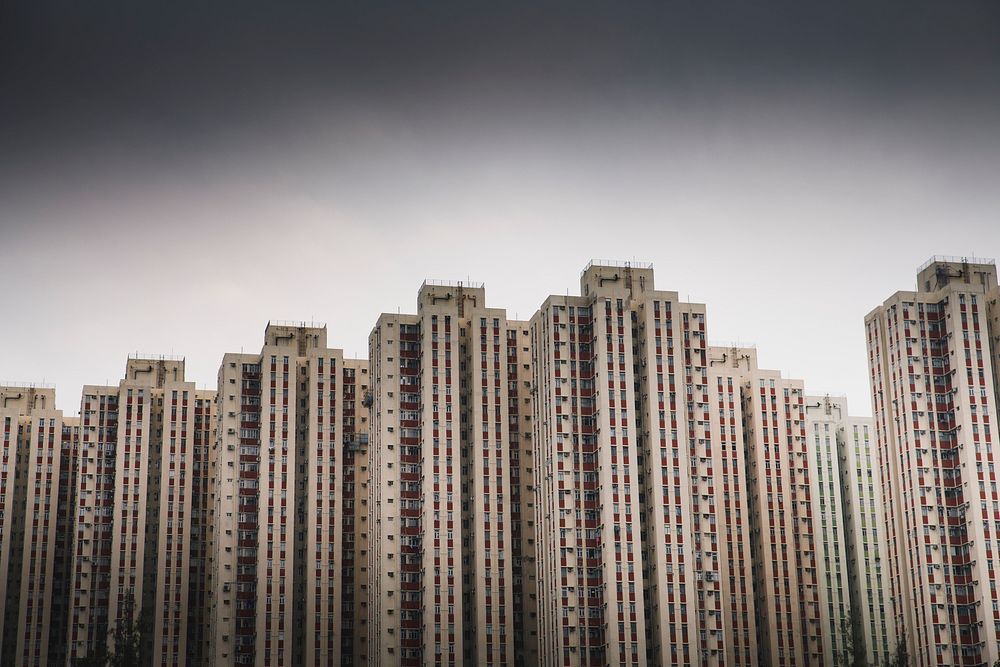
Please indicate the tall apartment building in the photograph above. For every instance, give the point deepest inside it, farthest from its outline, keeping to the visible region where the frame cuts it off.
(138, 491)
(450, 574)
(783, 544)
(522, 493)
(62, 592)
(932, 355)
(767, 497)
(728, 366)
(356, 542)
(93, 516)
(36, 460)
(642, 545)
(826, 418)
(285, 475)
(864, 528)
(202, 530)
(847, 530)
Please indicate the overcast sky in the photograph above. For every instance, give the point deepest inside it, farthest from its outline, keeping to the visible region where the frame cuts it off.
(172, 178)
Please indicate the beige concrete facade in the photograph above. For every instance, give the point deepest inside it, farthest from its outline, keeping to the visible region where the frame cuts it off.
(62, 592)
(136, 501)
(826, 417)
(931, 354)
(727, 367)
(34, 438)
(394, 492)
(446, 566)
(95, 500)
(355, 477)
(159, 418)
(202, 528)
(628, 407)
(770, 570)
(284, 491)
(523, 478)
(867, 552)
(786, 576)
(749, 515)
(590, 559)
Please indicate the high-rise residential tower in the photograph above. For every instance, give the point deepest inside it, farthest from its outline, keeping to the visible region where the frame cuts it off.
(450, 573)
(93, 516)
(931, 355)
(727, 368)
(864, 529)
(62, 592)
(137, 495)
(642, 509)
(36, 445)
(782, 531)
(202, 529)
(354, 517)
(848, 531)
(289, 431)
(826, 418)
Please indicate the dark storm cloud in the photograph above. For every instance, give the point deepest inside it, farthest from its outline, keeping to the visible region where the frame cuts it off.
(184, 76)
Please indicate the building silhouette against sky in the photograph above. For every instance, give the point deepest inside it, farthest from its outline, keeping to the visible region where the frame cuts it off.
(452, 512)
(932, 354)
(597, 485)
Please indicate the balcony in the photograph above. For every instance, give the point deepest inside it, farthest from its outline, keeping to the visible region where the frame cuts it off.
(355, 442)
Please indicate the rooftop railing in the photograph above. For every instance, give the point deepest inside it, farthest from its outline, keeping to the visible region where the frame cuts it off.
(730, 344)
(616, 264)
(957, 260)
(296, 324)
(453, 283)
(145, 356)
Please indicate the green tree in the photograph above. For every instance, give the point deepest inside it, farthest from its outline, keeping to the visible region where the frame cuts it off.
(126, 637)
(853, 654)
(900, 657)
(99, 658)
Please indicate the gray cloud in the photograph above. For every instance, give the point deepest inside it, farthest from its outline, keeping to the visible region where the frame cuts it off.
(172, 177)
